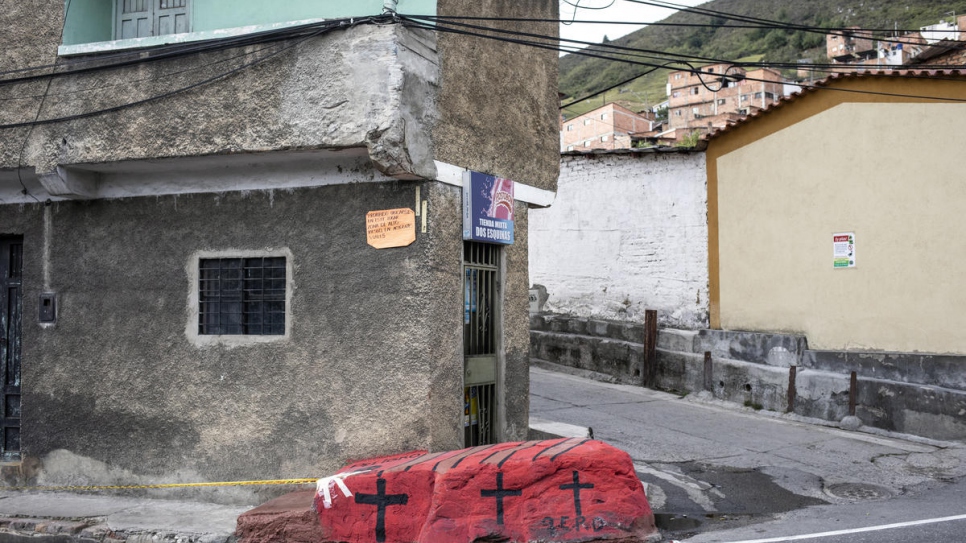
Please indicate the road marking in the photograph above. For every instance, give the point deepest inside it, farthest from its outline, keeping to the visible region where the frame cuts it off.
(855, 530)
(694, 491)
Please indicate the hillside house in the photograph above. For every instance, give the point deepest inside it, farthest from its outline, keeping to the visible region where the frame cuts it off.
(856, 49)
(231, 235)
(718, 94)
(611, 126)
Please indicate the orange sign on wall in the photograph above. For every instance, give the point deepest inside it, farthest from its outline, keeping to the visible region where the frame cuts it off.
(390, 228)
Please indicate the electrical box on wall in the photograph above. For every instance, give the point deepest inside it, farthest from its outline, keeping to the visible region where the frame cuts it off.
(48, 307)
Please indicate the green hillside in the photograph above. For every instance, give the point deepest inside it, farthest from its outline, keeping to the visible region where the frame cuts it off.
(582, 75)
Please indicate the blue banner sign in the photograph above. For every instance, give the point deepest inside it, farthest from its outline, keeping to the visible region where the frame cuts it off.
(487, 208)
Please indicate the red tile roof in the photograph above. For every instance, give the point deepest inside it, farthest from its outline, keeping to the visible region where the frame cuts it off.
(809, 88)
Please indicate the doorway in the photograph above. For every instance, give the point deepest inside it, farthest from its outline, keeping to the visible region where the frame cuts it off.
(11, 303)
(482, 340)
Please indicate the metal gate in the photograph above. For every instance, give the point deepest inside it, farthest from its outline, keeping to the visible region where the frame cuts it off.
(11, 294)
(481, 289)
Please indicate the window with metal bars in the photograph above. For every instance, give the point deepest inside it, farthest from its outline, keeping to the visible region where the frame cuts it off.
(241, 296)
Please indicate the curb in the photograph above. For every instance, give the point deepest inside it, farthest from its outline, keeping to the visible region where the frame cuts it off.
(92, 530)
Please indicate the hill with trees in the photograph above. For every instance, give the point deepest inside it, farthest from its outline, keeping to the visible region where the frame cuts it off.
(720, 39)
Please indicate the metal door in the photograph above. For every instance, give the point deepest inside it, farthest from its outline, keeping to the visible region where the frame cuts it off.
(481, 341)
(11, 294)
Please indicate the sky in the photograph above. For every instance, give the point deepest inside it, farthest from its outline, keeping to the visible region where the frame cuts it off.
(615, 10)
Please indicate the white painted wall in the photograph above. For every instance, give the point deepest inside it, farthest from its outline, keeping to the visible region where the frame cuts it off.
(627, 232)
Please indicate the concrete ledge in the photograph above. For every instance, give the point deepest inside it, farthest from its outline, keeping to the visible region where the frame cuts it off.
(621, 331)
(682, 341)
(621, 359)
(772, 349)
(541, 429)
(909, 393)
(753, 385)
(570, 370)
(947, 371)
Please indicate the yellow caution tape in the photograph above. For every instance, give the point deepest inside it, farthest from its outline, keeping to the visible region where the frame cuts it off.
(168, 485)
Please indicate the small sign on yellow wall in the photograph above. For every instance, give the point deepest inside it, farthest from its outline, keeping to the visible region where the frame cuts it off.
(390, 228)
(843, 250)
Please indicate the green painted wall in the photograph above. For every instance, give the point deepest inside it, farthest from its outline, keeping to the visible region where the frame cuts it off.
(214, 14)
(92, 20)
(88, 21)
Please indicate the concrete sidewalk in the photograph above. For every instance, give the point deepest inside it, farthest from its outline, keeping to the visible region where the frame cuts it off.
(66, 517)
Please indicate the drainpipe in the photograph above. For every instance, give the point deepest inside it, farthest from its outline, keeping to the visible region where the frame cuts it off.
(389, 6)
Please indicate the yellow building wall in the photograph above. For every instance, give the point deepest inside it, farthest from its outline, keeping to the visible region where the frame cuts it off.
(892, 173)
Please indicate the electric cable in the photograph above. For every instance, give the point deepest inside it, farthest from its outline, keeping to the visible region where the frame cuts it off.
(766, 23)
(414, 23)
(577, 7)
(180, 90)
(174, 50)
(163, 52)
(802, 85)
(131, 82)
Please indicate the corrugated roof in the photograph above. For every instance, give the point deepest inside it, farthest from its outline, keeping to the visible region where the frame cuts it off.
(818, 85)
(637, 150)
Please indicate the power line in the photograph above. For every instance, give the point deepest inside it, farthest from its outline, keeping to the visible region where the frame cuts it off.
(127, 58)
(180, 90)
(163, 52)
(778, 26)
(411, 21)
(693, 70)
(131, 82)
(766, 23)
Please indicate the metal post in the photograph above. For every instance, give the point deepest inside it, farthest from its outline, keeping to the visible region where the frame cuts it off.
(708, 380)
(853, 390)
(792, 371)
(650, 347)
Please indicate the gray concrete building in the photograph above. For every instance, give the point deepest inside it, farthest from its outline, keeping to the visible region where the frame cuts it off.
(191, 292)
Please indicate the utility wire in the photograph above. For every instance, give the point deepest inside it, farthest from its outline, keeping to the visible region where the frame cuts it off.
(412, 22)
(180, 90)
(765, 23)
(778, 25)
(695, 70)
(164, 52)
(631, 51)
(72, 66)
(131, 82)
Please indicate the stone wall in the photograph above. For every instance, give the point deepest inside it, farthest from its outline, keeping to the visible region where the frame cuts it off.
(910, 393)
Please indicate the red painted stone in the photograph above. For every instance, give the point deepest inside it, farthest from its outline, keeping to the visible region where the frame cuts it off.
(558, 490)
(289, 518)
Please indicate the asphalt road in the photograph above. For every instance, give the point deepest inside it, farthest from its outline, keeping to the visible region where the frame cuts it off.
(722, 473)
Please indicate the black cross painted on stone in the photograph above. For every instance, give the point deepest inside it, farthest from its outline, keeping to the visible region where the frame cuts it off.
(499, 493)
(381, 500)
(576, 486)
